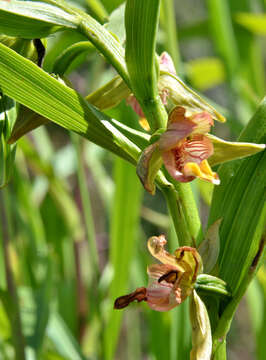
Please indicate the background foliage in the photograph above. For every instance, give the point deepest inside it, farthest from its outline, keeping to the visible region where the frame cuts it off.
(75, 218)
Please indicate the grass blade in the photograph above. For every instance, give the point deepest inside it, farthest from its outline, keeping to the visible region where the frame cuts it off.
(124, 226)
(32, 87)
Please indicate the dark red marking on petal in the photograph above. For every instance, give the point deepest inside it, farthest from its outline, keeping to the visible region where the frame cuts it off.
(170, 277)
(140, 294)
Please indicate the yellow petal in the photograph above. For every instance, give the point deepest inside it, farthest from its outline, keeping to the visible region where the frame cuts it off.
(202, 171)
(144, 124)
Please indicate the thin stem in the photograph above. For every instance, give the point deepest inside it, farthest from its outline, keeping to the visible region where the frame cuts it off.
(176, 212)
(14, 314)
(86, 204)
(190, 210)
(155, 113)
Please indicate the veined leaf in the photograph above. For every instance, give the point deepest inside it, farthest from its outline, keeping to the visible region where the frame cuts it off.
(28, 19)
(64, 60)
(31, 86)
(240, 200)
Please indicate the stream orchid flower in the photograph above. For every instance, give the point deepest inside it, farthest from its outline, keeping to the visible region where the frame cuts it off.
(185, 147)
(170, 282)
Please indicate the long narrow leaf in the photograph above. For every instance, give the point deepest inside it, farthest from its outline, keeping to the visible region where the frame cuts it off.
(126, 209)
(31, 20)
(239, 202)
(32, 87)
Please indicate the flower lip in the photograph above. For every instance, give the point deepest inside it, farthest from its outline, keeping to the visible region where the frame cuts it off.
(140, 294)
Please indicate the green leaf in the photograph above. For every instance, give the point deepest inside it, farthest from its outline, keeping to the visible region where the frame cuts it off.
(255, 23)
(110, 94)
(124, 232)
(32, 87)
(239, 201)
(27, 120)
(210, 247)
(141, 19)
(112, 4)
(62, 339)
(32, 20)
(65, 59)
(97, 9)
(116, 24)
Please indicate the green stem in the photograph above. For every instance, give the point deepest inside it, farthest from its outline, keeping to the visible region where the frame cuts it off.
(14, 314)
(220, 352)
(176, 211)
(171, 39)
(155, 113)
(86, 204)
(190, 210)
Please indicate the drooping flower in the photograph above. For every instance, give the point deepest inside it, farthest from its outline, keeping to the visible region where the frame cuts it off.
(170, 282)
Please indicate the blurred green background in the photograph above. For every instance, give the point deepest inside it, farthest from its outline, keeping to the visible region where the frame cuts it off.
(77, 219)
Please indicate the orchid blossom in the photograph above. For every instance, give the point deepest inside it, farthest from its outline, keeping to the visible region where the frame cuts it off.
(170, 282)
(185, 147)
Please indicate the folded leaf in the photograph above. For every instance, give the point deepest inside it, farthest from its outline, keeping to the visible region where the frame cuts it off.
(42, 93)
(201, 329)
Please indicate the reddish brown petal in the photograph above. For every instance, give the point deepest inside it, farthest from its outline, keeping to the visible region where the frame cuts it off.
(133, 102)
(139, 294)
(179, 127)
